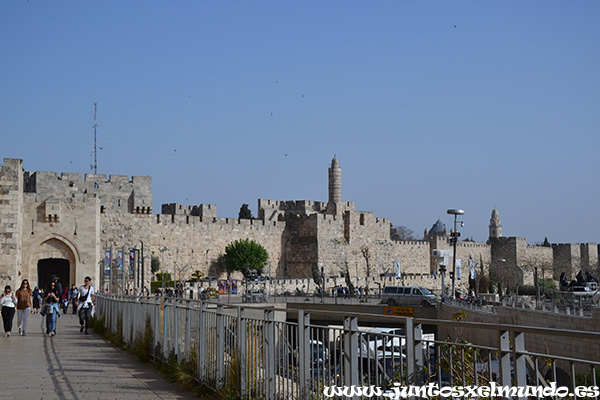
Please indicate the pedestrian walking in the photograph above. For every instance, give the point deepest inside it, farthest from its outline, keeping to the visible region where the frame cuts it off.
(65, 299)
(51, 307)
(8, 302)
(37, 299)
(87, 303)
(24, 304)
(73, 296)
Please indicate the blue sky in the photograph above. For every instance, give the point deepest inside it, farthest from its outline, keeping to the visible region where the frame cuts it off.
(427, 105)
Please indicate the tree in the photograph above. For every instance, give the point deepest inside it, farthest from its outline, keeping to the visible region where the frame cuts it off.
(154, 264)
(546, 242)
(245, 255)
(197, 275)
(366, 253)
(317, 278)
(401, 233)
(245, 212)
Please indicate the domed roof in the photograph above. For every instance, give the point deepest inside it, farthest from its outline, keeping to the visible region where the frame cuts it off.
(438, 227)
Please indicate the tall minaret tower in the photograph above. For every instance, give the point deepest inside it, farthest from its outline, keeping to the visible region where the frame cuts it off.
(335, 186)
(495, 225)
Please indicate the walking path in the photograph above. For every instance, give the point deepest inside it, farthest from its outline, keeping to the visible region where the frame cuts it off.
(74, 366)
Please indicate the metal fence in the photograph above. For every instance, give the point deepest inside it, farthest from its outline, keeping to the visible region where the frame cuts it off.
(256, 353)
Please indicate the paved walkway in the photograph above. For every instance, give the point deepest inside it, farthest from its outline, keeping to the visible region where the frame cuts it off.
(75, 366)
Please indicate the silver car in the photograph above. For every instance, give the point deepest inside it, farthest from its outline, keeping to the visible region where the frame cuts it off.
(408, 296)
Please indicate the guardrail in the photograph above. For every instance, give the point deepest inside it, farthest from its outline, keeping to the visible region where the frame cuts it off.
(254, 352)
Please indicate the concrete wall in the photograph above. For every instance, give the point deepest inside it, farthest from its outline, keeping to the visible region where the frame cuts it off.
(581, 349)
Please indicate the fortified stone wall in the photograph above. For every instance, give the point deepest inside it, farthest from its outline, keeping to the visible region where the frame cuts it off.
(299, 245)
(201, 210)
(117, 194)
(272, 210)
(11, 217)
(567, 258)
(73, 235)
(193, 243)
(589, 255)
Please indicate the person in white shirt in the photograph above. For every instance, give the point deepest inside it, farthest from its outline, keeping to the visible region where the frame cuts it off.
(8, 302)
(86, 298)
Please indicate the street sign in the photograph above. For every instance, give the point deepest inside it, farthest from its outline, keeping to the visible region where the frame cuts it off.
(399, 311)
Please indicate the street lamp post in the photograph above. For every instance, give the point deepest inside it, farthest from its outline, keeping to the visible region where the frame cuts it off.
(443, 273)
(454, 236)
(142, 267)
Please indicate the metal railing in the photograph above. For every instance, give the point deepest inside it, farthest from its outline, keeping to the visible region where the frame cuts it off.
(272, 353)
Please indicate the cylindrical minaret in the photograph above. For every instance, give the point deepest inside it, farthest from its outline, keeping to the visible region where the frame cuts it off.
(335, 182)
(495, 225)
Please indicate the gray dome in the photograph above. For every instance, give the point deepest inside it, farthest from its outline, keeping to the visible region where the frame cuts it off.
(438, 227)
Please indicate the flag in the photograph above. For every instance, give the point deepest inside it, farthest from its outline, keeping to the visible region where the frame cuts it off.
(131, 264)
(107, 266)
(458, 269)
(472, 265)
(119, 265)
(398, 269)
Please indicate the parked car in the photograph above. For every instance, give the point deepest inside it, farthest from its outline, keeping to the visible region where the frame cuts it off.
(408, 296)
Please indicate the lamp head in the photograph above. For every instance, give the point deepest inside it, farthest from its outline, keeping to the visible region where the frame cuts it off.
(455, 211)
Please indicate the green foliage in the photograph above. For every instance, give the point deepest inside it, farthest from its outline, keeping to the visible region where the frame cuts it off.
(351, 288)
(163, 276)
(245, 212)
(548, 287)
(546, 243)
(245, 254)
(159, 284)
(316, 274)
(154, 264)
(142, 347)
(197, 275)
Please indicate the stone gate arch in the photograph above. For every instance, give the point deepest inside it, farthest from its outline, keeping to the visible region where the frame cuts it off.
(53, 254)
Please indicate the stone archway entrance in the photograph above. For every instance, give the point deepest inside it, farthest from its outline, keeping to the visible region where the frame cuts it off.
(53, 266)
(53, 256)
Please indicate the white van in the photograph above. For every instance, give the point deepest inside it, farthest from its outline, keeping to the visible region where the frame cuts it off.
(407, 296)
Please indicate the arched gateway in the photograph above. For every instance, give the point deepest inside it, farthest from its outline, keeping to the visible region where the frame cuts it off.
(54, 255)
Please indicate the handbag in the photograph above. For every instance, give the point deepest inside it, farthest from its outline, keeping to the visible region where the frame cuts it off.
(44, 310)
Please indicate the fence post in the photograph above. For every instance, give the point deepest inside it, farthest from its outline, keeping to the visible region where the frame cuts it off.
(188, 331)
(410, 352)
(176, 328)
(220, 347)
(269, 346)
(504, 357)
(241, 351)
(165, 329)
(156, 326)
(520, 360)
(303, 353)
(202, 376)
(351, 351)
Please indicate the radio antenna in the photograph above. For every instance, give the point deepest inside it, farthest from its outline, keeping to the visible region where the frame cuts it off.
(95, 141)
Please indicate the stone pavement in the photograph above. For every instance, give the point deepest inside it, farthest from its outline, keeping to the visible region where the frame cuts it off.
(75, 367)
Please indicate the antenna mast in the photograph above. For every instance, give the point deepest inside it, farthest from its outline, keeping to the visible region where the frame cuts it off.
(95, 141)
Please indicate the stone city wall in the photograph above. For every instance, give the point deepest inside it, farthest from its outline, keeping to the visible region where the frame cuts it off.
(11, 217)
(193, 243)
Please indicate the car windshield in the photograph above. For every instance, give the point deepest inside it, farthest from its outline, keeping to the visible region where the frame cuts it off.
(426, 292)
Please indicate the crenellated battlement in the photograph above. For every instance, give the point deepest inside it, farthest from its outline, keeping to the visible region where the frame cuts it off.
(201, 210)
(232, 223)
(117, 193)
(477, 245)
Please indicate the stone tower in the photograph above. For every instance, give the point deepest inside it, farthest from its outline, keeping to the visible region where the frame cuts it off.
(495, 225)
(335, 187)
